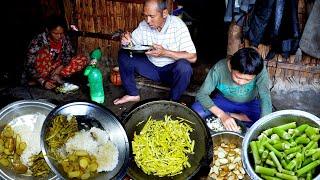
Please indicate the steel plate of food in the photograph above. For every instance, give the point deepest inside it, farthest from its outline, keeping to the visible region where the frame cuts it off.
(20, 150)
(82, 140)
(138, 48)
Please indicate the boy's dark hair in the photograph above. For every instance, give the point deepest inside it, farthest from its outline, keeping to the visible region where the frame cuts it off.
(55, 21)
(247, 61)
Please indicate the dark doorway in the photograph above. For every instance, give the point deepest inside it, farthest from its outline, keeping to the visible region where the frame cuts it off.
(208, 29)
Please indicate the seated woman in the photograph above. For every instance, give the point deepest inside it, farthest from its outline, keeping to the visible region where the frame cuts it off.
(50, 56)
(243, 93)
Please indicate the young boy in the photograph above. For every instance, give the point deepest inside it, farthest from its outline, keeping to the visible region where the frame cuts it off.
(242, 85)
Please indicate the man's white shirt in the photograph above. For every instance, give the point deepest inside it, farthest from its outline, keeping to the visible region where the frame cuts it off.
(173, 36)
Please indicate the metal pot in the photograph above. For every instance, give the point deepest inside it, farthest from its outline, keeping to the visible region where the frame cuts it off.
(272, 120)
(17, 109)
(157, 109)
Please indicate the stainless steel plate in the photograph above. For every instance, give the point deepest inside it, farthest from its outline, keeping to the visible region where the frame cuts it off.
(92, 115)
(138, 48)
(15, 110)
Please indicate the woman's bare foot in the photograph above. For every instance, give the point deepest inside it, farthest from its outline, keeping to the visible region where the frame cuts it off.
(125, 99)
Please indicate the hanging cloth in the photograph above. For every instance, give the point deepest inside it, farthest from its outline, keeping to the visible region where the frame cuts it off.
(275, 23)
(310, 40)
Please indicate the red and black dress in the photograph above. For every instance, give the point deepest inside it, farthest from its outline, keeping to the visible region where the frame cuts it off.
(45, 55)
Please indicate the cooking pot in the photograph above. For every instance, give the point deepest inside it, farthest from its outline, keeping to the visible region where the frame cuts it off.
(157, 109)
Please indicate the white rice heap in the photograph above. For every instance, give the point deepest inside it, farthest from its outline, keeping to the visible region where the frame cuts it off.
(29, 128)
(97, 143)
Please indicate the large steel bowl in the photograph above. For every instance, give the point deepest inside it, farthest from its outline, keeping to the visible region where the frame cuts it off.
(15, 110)
(157, 109)
(91, 115)
(272, 120)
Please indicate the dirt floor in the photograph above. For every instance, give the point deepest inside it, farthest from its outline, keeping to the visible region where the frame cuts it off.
(12, 94)
(308, 101)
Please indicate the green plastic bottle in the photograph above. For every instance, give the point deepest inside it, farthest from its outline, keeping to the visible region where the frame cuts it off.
(95, 77)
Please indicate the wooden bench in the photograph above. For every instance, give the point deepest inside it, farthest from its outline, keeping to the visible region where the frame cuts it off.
(144, 82)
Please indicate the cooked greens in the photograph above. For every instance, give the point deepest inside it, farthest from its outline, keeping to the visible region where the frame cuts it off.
(61, 129)
(39, 166)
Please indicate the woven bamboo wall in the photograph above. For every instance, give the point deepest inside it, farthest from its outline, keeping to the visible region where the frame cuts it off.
(106, 17)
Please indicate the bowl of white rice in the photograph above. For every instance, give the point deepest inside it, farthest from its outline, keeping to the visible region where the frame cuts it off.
(24, 119)
(83, 140)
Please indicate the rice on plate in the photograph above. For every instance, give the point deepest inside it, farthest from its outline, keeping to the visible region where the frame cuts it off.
(20, 145)
(80, 153)
(97, 144)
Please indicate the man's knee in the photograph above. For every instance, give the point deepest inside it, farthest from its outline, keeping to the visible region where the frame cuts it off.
(123, 55)
(183, 67)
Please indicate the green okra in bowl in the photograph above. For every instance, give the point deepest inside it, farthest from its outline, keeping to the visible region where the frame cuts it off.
(283, 145)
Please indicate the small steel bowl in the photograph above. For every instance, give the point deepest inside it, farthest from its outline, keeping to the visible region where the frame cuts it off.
(17, 109)
(272, 120)
(89, 115)
(228, 137)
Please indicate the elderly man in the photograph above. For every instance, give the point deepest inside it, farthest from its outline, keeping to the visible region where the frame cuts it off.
(170, 57)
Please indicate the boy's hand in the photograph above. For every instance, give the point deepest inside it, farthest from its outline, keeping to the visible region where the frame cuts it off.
(229, 123)
(241, 117)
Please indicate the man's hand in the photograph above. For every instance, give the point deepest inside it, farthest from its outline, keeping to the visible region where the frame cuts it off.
(126, 38)
(160, 51)
(157, 51)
